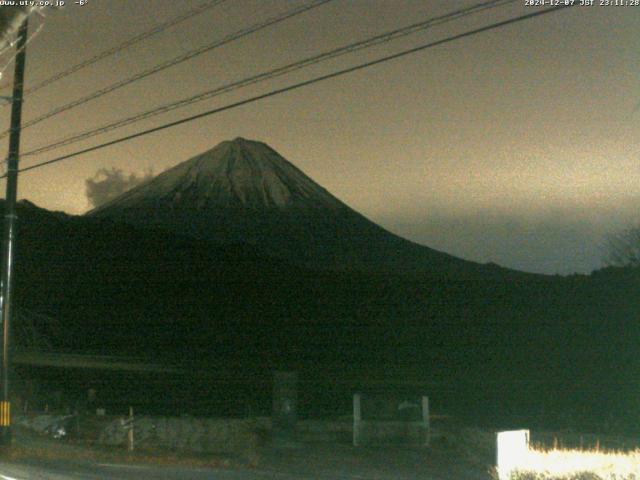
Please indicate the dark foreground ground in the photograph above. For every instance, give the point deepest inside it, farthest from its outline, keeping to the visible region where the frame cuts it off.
(34, 457)
(313, 464)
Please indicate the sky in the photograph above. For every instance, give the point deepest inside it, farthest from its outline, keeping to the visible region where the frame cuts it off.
(517, 146)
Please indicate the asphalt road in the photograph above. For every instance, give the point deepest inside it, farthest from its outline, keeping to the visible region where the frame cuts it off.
(318, 461)
(64, 470)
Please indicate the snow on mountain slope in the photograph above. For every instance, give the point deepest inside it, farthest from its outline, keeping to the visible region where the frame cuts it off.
(238, 173)
(243, 191)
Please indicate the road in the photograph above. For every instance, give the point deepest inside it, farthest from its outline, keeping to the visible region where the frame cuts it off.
(64, 470)
(38, 458)
(89, 470)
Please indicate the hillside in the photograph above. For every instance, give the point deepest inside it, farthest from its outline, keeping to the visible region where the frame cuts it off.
(243, 191)
(481, 344)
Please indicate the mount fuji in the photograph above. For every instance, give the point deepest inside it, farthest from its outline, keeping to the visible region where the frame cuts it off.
(243, 191)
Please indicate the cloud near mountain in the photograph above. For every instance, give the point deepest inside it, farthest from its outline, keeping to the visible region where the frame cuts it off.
(108, 184)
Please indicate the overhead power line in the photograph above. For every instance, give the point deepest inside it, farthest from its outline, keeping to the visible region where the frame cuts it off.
(268, 75)
(298, 85)
(175, 61)
(124, 45)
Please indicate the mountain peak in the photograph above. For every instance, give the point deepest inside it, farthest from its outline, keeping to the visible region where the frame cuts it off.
(243, 191)
(239, 173)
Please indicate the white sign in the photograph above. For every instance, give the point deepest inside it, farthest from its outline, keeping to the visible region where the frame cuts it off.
(512, 449)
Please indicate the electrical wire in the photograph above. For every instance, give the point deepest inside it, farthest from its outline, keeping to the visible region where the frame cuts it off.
(315, 59)
(175, 61)
(124, 45)
(298, 85)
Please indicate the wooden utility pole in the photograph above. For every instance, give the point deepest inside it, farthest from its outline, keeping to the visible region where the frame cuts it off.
(6, 299)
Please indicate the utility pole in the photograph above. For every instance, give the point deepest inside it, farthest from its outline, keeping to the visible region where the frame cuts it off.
(9, 230)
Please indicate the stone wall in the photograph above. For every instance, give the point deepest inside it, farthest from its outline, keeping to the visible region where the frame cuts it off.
(217, 435)
(200, 435)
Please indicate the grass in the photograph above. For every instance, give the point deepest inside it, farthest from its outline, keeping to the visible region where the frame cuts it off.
(578, 464)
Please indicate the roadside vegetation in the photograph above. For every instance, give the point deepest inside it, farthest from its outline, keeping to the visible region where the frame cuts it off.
(577, 464)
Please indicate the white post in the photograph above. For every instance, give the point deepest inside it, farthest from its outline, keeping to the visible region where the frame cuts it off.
(425, 420)
(357, 419)
(512, 449)
(130, 433)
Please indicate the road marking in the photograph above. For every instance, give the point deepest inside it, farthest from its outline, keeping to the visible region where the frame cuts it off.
(116, 465)
(5, 477)
(298, 476)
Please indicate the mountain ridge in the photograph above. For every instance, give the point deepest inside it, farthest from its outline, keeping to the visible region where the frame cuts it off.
(243, 191)
(490, 340)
